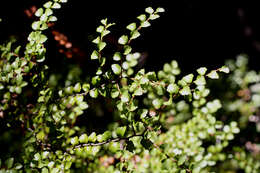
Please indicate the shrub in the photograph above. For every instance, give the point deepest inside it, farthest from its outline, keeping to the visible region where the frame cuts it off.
(160, 122)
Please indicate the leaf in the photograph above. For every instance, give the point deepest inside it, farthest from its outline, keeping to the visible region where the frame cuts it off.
(142, 17)
(181, 160)
(36, 25)
(160, 10)
(74, 141)
(92, 137)
(56, 5)
(86, 87)
(18, 166)
(116, 68)
(101, 46)
(138, 92)
(127, 49)
(120, 131)
(48, 12)
(144, 113)
(202, 70)
(93, 93)
(94, 55)
(185, 91)
(123, 39)
(96, 40)
(83, 138)
(154, 16)
(125, 97)
(104, 21)
(39, 12)
(149, 10)
(117, 56)
(188, 78)
(42, 38)
(48, 4)
(131, 26)
(224, 69)
(52, 19)
(9, 162)
(145, 24)
(157, 103)
(200, 80)
(213, 74)
(100, 29)
(135, 34)
(77, 87)
(173, 88)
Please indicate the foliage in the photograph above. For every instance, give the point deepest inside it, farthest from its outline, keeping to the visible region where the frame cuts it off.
(161, 122)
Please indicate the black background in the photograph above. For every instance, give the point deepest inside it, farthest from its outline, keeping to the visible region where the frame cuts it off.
(196, 33)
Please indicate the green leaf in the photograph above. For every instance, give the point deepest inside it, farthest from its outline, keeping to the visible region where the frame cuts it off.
(120, 131)
(96, 40)
(173, 88)
(45, 170)
(77, 87)
(200, 80)
(39, 12)
(142, 17)
(127, 49)
(92, 137)
(154, 16)
(138, 92)
(116, 68)
(144, 113)
(188, 78)
(224, 69)
(48, 12)
(107, 135)
(185, 91)
(48, 4)
(52, 19)
(101, 46)
(74, 140)
(114, 93)
(93, 93)
(145, 24)
(42, 38)
(157, 103)
(160, 10)
(104, 21)
(123, 39)
(131, 26)
(56, 5)
(213, 74)
(202, 70)
(83, 138)
(9, 162)
(85, 87)
(125, 97)
(135, 34)
(100, 29)
(18, 166)
(94, 55)
(117, 56)
(149, 10)
(181, 160)
(36, 25)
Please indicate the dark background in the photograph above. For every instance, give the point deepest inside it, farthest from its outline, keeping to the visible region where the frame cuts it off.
(196, 33)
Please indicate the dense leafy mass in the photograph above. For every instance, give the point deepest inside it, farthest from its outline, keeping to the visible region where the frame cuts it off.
(160, 122)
